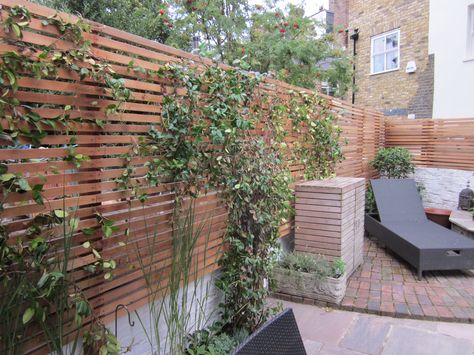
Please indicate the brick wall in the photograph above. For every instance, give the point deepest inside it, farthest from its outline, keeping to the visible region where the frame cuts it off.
(395, 93)
(340, 8)
(341, 14)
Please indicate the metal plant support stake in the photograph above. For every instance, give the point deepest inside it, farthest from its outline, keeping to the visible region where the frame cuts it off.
(118, 308)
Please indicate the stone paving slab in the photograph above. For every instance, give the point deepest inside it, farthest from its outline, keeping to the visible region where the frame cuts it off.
(404, 340)
(364, 334)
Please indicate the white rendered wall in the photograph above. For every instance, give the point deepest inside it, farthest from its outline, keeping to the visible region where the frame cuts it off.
(136, 336)
(442, 186)
(454, 70)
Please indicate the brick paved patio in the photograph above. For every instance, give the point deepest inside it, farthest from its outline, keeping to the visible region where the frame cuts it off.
(386, 285)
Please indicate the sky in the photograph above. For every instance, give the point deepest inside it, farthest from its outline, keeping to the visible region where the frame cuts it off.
(311, 6)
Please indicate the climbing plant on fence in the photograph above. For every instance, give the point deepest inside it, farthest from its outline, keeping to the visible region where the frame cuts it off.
(113, 142)
(34, 270)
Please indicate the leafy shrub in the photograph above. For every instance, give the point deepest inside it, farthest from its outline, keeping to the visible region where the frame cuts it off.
(394, 163)
(313, 264)
(370, 206)
(337, 268)
(207, 342)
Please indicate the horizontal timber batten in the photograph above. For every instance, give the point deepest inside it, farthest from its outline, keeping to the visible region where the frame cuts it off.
(434, 143)
(93, 186)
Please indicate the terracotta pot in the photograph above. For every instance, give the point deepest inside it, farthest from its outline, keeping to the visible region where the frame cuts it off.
(439, 216)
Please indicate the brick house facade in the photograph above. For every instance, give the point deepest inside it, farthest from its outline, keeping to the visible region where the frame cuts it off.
(391, 34)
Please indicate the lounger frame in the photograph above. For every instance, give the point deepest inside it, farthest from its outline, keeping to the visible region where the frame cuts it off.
(423, 244)
(420, 259)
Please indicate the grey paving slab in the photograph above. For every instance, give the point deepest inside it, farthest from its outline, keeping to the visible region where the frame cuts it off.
(405, 340)
(312, 346)
(426, 325)
(327, 331)
(334, 350)
(463, 331)
(317, 324)
(366, 335)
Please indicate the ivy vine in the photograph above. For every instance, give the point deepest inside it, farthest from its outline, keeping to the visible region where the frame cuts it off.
(319, 146)
(209, 139)
(34, 267)
(219, 130)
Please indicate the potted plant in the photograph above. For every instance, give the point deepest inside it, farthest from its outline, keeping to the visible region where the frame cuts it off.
(311, 276)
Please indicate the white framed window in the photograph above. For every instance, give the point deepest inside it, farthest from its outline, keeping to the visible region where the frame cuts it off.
(385, 52)
(470, 31)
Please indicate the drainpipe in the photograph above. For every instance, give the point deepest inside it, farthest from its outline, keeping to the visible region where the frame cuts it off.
(354, 37)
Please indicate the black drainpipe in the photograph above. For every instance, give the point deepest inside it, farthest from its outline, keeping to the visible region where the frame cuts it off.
(354, 37)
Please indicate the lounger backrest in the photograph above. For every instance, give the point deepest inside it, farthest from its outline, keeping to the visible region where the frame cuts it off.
(278, 336)
(398, 200)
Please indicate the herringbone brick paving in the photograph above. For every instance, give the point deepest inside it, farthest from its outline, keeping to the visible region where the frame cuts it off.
(386, 285)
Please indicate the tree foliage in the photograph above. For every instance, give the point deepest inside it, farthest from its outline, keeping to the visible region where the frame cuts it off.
(146, 18)
(291, 45)
(393, 163)
(285, 42)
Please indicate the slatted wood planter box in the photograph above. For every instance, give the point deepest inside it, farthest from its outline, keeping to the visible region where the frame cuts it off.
(307, 285)
(330, 219)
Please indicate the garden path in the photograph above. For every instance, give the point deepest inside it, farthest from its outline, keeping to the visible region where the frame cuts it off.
(327, 331)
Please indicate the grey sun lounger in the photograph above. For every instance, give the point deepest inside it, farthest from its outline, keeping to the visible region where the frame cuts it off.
(402, 226)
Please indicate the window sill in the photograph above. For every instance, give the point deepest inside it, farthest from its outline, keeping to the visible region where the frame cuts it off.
(386, 71)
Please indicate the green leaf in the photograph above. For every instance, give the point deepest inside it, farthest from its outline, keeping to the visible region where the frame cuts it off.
(7, 177)
(60, 213)
(43, 279)
(74, 223)
(86, 245)
(108, 276)
(11, 79)
(29, 313)
(17, 30)
(108, 231)
(83, 73)
(3, 168)
(103, 350)
(88, 231)
(37, 196)
(23, 185)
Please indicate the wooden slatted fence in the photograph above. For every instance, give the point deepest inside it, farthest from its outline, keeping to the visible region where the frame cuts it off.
(435, 143)
(92, 187)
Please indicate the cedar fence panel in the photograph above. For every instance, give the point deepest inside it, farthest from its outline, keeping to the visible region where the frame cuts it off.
(434, 143)
(93, 188)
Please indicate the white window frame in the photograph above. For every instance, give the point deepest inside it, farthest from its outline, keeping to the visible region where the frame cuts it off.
(470, 31)
(372, 54)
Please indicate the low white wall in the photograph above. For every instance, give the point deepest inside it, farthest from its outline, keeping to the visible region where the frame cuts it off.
(136, 338)
(442, 186)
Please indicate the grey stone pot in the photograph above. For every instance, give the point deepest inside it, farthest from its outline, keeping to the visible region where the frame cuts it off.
(307, 285)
